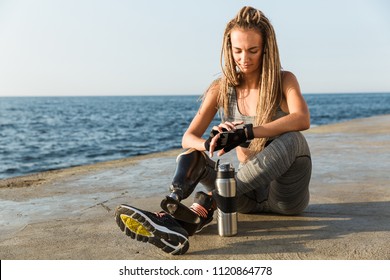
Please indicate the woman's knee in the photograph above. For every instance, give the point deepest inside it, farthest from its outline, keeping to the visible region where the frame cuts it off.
(292, 142)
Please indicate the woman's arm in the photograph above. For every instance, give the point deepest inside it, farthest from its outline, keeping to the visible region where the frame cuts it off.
(192, 138)
(298, 118)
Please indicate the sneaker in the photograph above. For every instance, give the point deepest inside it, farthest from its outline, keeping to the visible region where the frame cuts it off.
(159, 229)
(204, 207)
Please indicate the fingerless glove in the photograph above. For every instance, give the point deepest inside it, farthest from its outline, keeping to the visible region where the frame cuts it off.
(237, 137)
(228, 140)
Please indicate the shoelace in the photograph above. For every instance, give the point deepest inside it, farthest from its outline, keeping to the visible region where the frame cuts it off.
(199, 210)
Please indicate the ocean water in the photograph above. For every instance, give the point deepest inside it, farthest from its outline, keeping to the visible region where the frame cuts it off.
(46, 133)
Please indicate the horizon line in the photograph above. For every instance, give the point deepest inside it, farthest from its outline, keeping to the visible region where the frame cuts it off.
(174, 94)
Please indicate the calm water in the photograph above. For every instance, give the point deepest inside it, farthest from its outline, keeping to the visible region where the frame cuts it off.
(45, 133)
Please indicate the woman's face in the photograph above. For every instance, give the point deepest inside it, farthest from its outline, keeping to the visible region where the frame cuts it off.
(247, 49)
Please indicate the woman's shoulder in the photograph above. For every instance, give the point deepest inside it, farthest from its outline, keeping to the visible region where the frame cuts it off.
(289, 79)
(210, 96)
(287, 75)
(215, 84)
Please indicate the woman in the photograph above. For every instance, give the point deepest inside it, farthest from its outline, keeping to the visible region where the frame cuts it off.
(263, 112)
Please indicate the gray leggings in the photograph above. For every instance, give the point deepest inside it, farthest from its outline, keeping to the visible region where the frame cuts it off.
(277, 179)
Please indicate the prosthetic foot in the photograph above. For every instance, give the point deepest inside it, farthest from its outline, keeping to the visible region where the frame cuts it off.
(179, 211)
(194, 218)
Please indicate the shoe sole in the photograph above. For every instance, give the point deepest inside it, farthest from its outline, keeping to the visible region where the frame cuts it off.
(135, 224)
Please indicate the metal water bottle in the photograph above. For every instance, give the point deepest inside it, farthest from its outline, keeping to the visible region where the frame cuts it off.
(225, 185)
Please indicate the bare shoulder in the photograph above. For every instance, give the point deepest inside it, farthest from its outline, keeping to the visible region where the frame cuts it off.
(293, 98)
(288, 78)
(290, 83)
(214, 87)
(210, 97)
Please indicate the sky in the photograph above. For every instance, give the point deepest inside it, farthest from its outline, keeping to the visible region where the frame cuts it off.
(126, 47)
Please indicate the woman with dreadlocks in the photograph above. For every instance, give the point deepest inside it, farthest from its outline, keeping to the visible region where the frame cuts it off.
(263, 111)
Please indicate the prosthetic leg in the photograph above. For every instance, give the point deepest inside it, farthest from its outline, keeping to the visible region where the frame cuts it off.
(192, 167)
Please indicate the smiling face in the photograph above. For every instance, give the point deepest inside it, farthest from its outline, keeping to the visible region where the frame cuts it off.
(247, 49)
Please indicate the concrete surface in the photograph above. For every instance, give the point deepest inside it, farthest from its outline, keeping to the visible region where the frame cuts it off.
(68, 214)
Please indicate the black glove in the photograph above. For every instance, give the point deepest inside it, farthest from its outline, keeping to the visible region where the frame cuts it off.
(237, 137)
(228, 140)
(213, 133)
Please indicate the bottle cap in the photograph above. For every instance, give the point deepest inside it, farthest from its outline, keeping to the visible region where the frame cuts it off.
(225, 167)
(225, 170)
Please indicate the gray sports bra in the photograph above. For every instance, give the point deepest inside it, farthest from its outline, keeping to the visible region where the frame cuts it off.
(234, 112)
(235, 115)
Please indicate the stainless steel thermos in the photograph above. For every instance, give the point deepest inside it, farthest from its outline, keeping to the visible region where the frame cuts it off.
(225, 185)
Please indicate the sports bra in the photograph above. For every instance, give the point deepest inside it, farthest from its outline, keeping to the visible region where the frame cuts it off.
(234, 113)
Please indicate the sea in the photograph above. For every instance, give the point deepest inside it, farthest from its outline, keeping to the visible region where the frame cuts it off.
(47, 133)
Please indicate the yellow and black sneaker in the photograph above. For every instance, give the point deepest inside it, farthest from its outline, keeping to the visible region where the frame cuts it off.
(159, 229)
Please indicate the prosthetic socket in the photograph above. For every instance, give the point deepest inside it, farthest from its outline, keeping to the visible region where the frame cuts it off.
(192, 167)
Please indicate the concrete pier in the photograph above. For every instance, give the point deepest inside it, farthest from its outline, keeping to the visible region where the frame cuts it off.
(69, 214)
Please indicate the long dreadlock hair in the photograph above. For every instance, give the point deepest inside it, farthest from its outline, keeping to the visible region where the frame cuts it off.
(270, 82)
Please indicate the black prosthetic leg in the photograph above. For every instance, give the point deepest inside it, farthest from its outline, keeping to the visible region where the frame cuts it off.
(192, 167)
